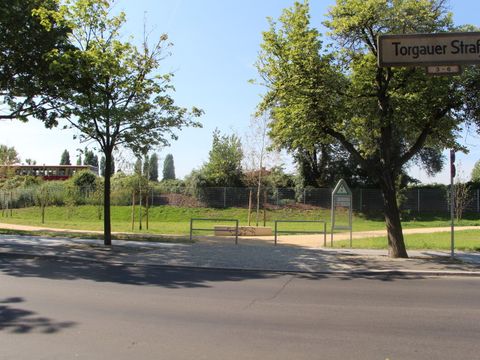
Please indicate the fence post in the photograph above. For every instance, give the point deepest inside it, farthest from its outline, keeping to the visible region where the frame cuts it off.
(275, 237)
(418, 201)
(224, 197)
(191, 229)
(304, 196)
(361, 201)
(478, 200)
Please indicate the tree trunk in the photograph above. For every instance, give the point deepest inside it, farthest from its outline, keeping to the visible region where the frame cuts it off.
(264, 208)
(146, 208)
(140, 204)
(249, 206)
(133, 210)
(396, 243)
(107, 226)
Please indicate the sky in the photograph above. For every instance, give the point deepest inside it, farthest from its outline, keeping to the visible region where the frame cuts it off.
(215, 46)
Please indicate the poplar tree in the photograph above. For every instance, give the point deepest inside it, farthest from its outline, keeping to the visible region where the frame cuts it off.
(168, 168)
(65, 159)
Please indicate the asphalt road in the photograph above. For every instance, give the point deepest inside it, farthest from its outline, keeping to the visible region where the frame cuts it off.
(52, 309)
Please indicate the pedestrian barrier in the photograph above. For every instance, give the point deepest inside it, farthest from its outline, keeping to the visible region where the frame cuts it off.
(192, 220)
(301, 231)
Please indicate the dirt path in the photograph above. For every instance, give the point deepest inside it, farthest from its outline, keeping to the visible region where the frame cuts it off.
(305, 240)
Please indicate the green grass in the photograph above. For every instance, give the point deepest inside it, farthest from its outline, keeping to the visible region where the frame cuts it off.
(467, 240)
(99, 236)
(176, 220)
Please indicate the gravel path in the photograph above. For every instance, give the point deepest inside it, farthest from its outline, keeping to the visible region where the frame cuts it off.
(305, 240)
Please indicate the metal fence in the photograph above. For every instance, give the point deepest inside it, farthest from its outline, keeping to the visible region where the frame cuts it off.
(364, 200)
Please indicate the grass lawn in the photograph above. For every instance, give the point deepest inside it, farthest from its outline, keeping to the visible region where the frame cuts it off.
(468, 240)
(176, 220)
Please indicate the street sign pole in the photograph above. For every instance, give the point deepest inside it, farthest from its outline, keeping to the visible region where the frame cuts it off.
(452, 203)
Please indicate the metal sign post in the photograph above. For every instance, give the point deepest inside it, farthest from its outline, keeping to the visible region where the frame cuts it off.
(452, 203)
(441, 54)
(341, 197)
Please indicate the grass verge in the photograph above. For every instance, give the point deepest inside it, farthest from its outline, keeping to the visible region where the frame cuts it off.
(92, 235)
(465, 240)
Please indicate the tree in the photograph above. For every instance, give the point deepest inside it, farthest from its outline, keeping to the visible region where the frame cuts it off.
(146, 165)
(258, 157)
(28, 83)
(102, 166)
(89, 158)
(65, 160)
(153, 167)
(116, 97)
(138, 166)
(168, 168)
(384, 117)
(475, 176)
(224, 166)
(8, 155)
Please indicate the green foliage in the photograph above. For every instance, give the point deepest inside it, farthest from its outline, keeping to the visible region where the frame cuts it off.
(224, 166)
(8, 155)
(277, 178)
(114, 93)
(138, 166)
(168, 168)
(84, 179)
(28, 83)
(65, 159)
(171, 186)
(384, 117)
(153, 167)
(102, 166)
(475, 176)
(89, 158)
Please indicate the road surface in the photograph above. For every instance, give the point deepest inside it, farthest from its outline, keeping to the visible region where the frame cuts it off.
(65, 309)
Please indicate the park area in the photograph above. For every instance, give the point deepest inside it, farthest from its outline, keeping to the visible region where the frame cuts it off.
(172, 224)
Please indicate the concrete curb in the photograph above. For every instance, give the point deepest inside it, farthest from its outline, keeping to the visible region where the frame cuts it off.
(353, 273)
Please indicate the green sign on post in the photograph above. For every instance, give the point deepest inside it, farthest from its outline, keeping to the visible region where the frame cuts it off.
(341, 198)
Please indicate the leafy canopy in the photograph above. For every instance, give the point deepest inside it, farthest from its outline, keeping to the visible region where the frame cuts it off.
(29, 86)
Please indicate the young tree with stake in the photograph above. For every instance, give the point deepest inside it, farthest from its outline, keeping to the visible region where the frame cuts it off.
(115, 95)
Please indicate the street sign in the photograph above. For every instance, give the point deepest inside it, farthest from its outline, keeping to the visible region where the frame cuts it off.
(341, 198)
(429, 49)
(444, 70)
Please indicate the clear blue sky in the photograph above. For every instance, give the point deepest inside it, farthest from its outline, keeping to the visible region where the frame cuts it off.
(215, 47)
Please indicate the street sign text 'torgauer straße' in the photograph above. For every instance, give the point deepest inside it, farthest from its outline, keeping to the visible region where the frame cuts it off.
(429, 49)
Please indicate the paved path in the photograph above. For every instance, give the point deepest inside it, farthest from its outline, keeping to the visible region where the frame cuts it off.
(245, 257)
(306, 240)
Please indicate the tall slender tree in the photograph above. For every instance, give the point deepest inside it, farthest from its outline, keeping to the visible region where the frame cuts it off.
(65, 159)
(153, 167)
(168, 168)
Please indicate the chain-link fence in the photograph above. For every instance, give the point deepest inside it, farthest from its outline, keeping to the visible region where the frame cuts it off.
(364, 200)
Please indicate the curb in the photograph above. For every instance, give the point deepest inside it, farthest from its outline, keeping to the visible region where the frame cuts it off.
(353, 273)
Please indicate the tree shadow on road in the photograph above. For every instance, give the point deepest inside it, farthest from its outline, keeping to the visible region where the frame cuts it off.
(19, 321)
(164, 276)
(73, 269)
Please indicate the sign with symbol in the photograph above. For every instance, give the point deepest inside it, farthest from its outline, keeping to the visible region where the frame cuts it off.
(342, 199)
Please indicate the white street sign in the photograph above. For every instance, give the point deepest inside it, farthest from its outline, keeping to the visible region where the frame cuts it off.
(429, 49)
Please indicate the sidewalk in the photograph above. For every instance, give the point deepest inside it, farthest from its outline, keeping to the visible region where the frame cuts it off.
(281, 258)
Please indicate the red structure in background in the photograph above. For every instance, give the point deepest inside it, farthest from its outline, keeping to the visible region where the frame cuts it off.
(46, 172)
